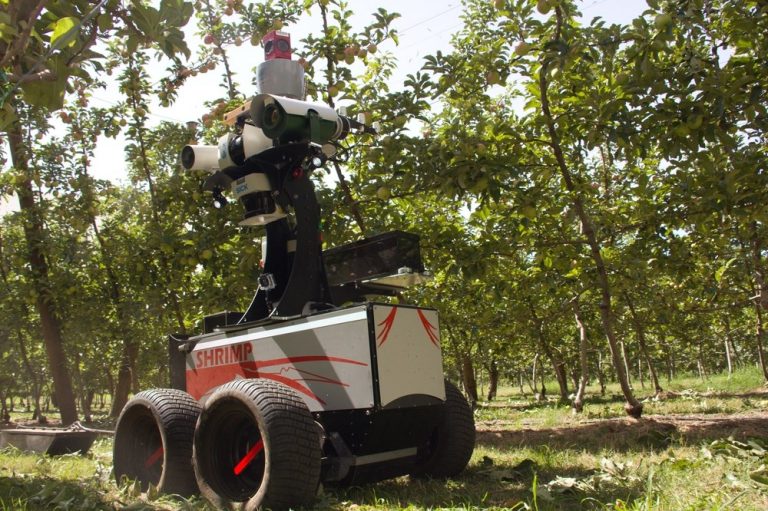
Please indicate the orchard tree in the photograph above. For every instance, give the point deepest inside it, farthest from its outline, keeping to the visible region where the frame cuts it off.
(713, 102)
(43, 45)
(558, 66)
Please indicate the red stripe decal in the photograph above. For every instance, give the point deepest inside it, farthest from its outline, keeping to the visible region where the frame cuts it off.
(295, 385)
(309, 358)
(430, 328)
(154, 457)
(319, 378)
(248, 458)
(388, 322)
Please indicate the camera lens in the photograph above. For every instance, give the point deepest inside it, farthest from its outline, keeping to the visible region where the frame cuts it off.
(272, 116)
(187, 157)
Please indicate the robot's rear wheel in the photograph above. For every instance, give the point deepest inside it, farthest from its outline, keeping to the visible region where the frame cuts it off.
(153, 441)
(452, 442)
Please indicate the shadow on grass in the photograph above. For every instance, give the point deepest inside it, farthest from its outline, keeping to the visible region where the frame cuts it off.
(523, 405)
(28, 492)
(653, 432)
(527, 404)
(481, 487)
(757, 394)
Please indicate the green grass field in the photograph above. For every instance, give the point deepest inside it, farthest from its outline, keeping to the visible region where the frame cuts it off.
(703, 448)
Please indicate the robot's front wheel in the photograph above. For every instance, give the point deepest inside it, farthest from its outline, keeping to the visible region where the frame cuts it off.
(153, 441)
(257, 444)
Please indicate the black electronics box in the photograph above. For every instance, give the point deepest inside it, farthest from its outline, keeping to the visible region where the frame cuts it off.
(371, 258)
(220, 319)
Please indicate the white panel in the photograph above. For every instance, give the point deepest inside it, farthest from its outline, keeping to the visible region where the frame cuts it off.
(326, 360)
(408, 353)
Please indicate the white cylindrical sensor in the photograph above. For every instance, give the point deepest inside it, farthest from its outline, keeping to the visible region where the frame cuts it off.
(200, 157)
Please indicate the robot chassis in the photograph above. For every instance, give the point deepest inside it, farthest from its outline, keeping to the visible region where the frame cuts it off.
(302, 388)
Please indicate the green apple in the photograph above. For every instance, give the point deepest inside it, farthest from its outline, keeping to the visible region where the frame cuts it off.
(694, 122)
(662, 21)
(522, 48)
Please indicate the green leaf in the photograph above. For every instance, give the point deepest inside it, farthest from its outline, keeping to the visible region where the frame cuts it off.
(7, 32)
(724, 268)
(7, 116)
(104, 22)
(47, 95)
(64, 31)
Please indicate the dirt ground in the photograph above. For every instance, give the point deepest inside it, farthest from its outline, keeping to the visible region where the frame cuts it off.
(654, 431)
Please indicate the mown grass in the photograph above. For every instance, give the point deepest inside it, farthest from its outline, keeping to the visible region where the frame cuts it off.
(530, 455)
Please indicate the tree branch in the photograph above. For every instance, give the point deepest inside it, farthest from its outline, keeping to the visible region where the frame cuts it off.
(42, 76)
(20, 44)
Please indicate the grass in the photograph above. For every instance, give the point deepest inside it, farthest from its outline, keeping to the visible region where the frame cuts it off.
(530, 456)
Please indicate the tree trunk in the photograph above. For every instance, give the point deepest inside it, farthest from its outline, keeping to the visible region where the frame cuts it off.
(700, 361)
(578, 399)
(633, 407)
(640, 330)
(625, 362)
(558, 366)
(36, 253)
(468, 378)
(759, 336)
(574, 374)
(730, 350)
(600, 373)
(87, 405)
(4, 415)
(562, 380)
(493, 379)
(728, 359)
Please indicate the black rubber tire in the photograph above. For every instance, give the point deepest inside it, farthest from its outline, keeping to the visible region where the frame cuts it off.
(153, 441)
(453, 440)
(284, 472)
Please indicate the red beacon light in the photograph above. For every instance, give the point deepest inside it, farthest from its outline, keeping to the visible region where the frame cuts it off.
(277, 45)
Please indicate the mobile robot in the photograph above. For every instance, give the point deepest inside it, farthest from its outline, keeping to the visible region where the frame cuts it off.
(313, 382)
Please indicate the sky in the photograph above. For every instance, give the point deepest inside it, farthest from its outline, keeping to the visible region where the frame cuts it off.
(424, 27)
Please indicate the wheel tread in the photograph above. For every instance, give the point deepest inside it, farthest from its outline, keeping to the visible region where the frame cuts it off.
(175, 413)
(291, 438)
(456, 438)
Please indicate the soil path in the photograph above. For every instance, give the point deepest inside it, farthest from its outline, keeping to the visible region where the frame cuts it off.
(652, 431)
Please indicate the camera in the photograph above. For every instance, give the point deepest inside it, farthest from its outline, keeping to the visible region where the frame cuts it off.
(288, 120)
(232, 150)
(200, 157)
